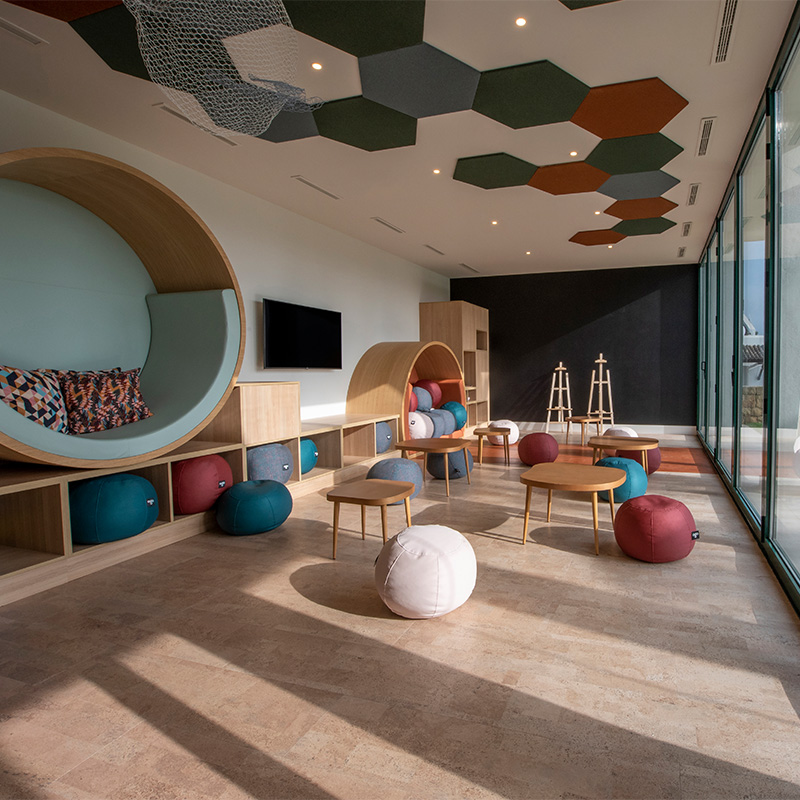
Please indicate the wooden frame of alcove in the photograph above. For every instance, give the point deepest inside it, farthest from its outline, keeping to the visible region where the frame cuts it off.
(175, 246)
(381, 381)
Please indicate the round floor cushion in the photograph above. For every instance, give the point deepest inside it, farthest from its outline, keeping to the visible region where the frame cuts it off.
(383, 437)
(270, 462)
(433, 388)
(513, 436)
(111, 507)
(537, 448)
(253, 507)
(198, 482)
(398, 469)
(635, 478)
(308, 455)
(420, 426)
(425, 571)
(456, 466)
(653, 458)
(458, 411)
(655, 528)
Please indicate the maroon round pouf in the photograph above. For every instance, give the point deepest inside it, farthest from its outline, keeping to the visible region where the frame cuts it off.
(653, 458)
(433, 388)
(198, 482)
(537, 448)
(655, 528)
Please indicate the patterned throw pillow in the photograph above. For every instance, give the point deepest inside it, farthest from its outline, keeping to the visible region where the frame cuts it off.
(35, 394)
(97, 401)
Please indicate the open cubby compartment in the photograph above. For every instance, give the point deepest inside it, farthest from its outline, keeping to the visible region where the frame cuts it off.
(160, 475)
(33, 523)
(481, 412)
(470, 368)
(294, 448)
(481, 340)
(329, 446)
(358, 443)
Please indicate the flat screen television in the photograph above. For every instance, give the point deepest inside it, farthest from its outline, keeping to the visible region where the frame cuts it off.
(301, 337)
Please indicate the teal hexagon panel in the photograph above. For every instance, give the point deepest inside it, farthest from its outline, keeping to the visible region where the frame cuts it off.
(494, 171)
(529, 94)
(643, 227)
(633, 153)
(362, 123)
(362, 28)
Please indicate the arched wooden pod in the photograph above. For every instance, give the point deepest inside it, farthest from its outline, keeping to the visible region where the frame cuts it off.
(381, 381)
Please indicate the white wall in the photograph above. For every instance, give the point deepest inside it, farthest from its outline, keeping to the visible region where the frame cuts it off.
(275, 253)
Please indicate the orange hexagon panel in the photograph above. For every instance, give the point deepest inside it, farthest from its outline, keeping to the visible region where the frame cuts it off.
(597, 237)
(628, 109)
(647, 208)
(568, 178)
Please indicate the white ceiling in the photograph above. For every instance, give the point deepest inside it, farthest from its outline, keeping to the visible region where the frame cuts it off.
(620, 41)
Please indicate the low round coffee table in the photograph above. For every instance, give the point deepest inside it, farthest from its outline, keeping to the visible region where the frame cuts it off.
(600, 443)
(370, 492)
(488, 431)
(443, 446)
(572, 478)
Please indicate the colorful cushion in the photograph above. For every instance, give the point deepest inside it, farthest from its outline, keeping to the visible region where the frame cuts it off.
(36, 394)
(97, 401)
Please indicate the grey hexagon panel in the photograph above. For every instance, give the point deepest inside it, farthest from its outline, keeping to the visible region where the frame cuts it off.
(637, 185)
(288, 126)
(420, 81)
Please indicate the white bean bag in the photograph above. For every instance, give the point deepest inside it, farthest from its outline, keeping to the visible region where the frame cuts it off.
(620, 430)
(504, 423)
(425, 571)
(420, 426)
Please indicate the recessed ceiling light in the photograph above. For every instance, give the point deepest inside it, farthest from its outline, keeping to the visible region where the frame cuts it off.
(436, 172)
(596, 212)
(610, 246)
(521, 22)
(574, 153)
(527, 252)
(316, 65)
(494, 222)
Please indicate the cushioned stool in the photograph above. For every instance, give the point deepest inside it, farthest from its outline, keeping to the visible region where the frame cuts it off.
(198, 482)
(635, 482)
(537, 448)
(425, 571)
(111, 507)
(270, 462)
(653, 458)
(398, 469)
(655, 528)
(308, 455)
(253, 507)
(383, 437)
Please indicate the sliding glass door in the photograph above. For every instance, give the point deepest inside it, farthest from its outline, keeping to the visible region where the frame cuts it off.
(711, 345)
(727, 315)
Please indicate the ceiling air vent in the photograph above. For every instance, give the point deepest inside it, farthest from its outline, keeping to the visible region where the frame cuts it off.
(181, 117)
(681, 252)
(21, 33)
(435, 250)
(388, 225)
(724, 32)
(471, 269)
(687, 229)
(706, 125)
(306, 182)
(694, 188)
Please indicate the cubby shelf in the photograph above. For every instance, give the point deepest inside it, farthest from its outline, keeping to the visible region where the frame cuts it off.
(36, 550)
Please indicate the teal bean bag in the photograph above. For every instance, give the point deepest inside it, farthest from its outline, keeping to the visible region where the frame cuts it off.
(635, 484)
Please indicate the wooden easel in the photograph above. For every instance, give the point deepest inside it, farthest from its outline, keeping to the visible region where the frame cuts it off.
(601, 414)
(559, 386)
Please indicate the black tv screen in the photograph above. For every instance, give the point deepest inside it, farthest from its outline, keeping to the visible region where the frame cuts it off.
(301, 337)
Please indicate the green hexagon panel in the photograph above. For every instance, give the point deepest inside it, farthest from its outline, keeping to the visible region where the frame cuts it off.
(627, 154)
(643, 227)
(574, 5)
(525, 95)
(361, 123)
(363, 28)
(494, 171)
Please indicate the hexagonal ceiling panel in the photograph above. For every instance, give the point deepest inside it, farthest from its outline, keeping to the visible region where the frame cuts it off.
(494, 171)
(590, 238)
(529, 94)
(576, 176)
(575, 5)
(419, 81)
(628, 109)
(361, 123)
(633, 153)
(643, 227)
(638, 185)
(641, 209)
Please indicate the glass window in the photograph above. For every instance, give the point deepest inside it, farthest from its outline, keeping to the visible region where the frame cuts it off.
(711, 365)
(702, 349)
(727, 329)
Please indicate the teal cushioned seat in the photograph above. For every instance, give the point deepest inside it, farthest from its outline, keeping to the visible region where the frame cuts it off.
(635, 483)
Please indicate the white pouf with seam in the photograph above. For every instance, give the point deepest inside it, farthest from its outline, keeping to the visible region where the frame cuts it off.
(426, 571)
(504, 423)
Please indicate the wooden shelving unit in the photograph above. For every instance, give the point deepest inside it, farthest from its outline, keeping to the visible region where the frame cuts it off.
(36, 551)
(464, 327)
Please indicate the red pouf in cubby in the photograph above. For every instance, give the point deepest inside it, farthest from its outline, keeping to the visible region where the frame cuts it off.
(198, 482)
(537, 448)
(653, 458)
(655, 528)
(432, 387)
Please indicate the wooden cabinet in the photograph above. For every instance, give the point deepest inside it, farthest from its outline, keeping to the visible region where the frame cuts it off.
(464, 327)
(36, 548)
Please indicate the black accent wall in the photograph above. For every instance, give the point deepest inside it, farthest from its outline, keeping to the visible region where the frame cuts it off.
(643, 320)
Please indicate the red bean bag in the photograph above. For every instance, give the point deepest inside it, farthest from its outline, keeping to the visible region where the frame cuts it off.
(655, 528)
(537, 448)
(198, 482)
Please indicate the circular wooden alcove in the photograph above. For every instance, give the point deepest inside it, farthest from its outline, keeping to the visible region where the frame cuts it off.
(196, 317)
(381, 381)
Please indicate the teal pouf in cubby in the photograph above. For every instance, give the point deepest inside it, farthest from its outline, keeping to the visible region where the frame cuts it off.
(458, 411)
(308, 455)
(111, 507)
(455, 464)
(253, 507)
(270, 462)
(398, 469)
(635, 483)
(383, 437)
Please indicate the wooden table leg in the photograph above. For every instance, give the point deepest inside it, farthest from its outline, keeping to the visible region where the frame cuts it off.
(363, 522)
(480, 449)
(594, 455)
(549, 503)
(447, 474)
(566, 438)
(335, 526)
(465, 453)
(407, 503)
(583, 433)
(594, 520)
(506, 450)
(644, 461)
(527, 514)
(611, 503)
(383, 521)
